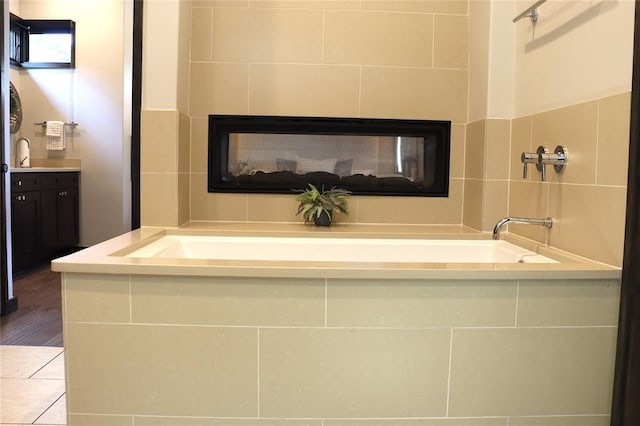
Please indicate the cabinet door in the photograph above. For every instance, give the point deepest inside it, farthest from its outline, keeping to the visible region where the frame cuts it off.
(25, 226)
(60, 219)
(49, 221)
(68, 218)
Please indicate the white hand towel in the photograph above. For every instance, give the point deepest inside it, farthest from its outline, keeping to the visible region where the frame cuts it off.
(55, 135)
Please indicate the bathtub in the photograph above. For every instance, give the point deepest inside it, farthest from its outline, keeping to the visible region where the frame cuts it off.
(373, 250)
(231, 322)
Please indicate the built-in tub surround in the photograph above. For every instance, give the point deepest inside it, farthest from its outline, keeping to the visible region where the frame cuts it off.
(164, 340)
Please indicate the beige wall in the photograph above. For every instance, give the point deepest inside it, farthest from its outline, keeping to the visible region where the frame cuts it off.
(321, 58)
(491, 59)
(572, 83)
(588, 200)
(486, 173)
(166, 127)
(572, 89)
(578, 51)
(406, 60)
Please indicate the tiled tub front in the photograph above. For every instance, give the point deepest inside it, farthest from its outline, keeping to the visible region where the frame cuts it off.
(195, 351)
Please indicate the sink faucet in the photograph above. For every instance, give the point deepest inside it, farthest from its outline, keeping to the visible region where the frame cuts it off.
(547, 222)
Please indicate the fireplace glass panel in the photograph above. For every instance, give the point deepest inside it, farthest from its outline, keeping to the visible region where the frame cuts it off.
(386, 157)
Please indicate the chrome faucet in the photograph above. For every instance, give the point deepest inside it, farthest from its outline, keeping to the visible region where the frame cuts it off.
(546, 222)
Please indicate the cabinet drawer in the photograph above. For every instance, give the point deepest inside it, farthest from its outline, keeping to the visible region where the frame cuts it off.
(21, 182)
(59, 180)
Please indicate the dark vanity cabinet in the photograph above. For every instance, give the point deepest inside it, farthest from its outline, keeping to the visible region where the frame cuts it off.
(45, 216)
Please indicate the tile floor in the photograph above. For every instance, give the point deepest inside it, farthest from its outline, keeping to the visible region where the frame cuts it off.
(32, 386)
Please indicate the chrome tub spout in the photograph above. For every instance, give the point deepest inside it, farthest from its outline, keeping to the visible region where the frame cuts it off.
(546, 222)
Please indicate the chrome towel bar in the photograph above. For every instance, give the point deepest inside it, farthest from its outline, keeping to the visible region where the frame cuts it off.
(71, 124)
(530, 12)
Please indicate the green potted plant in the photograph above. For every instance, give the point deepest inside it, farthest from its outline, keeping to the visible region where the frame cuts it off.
(318, 206)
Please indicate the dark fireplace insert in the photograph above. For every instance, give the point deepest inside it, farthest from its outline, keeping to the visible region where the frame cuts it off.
(264, 154)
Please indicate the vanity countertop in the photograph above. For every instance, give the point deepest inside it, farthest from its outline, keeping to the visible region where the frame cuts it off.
(43, 169)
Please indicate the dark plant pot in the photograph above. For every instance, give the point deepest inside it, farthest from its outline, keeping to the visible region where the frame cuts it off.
(323, 220)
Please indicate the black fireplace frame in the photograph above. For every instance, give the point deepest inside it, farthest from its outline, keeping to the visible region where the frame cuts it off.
(221, 180)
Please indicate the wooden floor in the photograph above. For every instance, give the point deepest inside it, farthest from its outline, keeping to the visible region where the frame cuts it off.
(38, 320)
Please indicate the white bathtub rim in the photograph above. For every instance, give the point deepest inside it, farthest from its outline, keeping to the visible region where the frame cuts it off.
(107, 258)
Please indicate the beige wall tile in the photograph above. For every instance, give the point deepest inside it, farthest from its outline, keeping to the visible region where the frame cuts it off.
(311, 90)
(97, 298)
(574, 127)
(374, 38)
(159, 199)
(267, 35)
(473, 203)
(521, 142)
(159, 146)
(155, 370)
(273, 208)
(199, 144)
(184, 198)
(613, 139)
(529, 199)
(568, 303)
(496, 203)
(420, 422)
(185, 421)
(308, 4)
(561, 421)
(435, 6)
(353, 373)
(589, 221)
(184, 143)
(215, 206)
(414, 93)
(228, 301)
(98, 420)
(497, 148)
(450, 41)
(457, 149)
(413, 209)
(201, 34)
(283, 208)
(376, 303)
(475, 150)
(218, 89)
(497, 372)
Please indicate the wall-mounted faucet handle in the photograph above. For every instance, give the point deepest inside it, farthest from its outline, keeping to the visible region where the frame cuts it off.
(541, 151)
(558, 158)
(528, 158)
